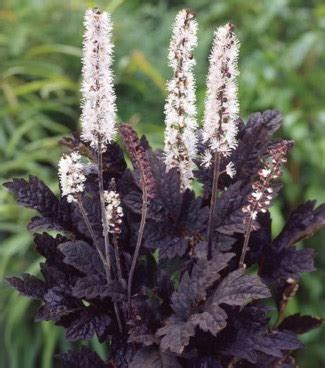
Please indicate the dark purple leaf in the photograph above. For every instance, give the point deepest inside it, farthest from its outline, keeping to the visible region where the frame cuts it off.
(28, 285)
(300, 324)
(82, 256)
(238, 288)
(212, 321)
(84, 358)
(152, 358)
(175, 335)
(56, 303)
(304, 221)
(192, 289)
(86, 323)
(34, 194)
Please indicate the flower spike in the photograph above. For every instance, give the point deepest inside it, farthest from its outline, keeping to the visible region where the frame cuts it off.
(180, 107)
(221, 105)
(98, 96)
(71, 174)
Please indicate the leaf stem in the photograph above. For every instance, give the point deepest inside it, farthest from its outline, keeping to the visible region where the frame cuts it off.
(213, 201)
(138, 245)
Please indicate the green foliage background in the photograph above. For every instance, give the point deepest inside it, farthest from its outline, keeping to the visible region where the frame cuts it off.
(282, 65)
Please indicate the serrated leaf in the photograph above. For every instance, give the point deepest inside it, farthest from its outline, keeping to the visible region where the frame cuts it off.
(47, 246)
(238, 288)
(210, 322)
(289, 263)
(175, 335)
(192, 289)
(150, 357)
(28, 285)
(93, 286)
(84, 358)
(90, 287)
(85, 324)
(302, 223)
(56, 303)
(82, 256)
(44, 223)
(34, 194)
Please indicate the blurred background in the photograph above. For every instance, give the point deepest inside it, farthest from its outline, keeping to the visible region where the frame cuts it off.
(282, 64)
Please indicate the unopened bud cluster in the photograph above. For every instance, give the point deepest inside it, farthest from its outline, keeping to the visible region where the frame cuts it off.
(221, 105)
(71, 175)
(180, 107)
(113, 211)
(260, 199)
(139, 158)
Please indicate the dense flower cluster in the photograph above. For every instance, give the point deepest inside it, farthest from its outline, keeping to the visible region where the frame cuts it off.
(260, 199)
(98, 97)
(180, 107)
(71, 174)
(113, 211)
(221, 105)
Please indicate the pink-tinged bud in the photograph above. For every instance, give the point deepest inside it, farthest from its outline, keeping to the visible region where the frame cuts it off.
(139, 158)
(260, 199)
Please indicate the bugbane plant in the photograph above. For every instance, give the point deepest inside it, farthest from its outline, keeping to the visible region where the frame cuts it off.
(166, 277)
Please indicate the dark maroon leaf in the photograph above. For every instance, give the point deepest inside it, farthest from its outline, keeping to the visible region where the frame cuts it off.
(28, 285)
(289, 263)
(211, 321)
(152, 358)
(82, 256)
(84, 358)
(43, 223)
(175, 335)
(300, 324)
(304, 221)
(192, 289)
(238, 288)
(34, 194)
(47, 246)
(86, 323)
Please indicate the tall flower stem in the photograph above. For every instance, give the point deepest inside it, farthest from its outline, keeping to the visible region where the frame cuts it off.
(102, 206)
(245, 245)
(138, 245)
(213, 201)
(117, 259)
(105, 229)
(119, 277)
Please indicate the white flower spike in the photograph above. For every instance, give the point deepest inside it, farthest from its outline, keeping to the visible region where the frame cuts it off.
(221, 105)
(180, 107)
(98, 96)
(113, 211)
(71, 174)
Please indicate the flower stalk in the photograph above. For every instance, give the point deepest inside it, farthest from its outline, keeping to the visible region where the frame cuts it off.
(140, 162)
(260, 199)
(221, 111)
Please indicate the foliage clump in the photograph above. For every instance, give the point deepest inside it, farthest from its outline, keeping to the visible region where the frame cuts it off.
(167, 277)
